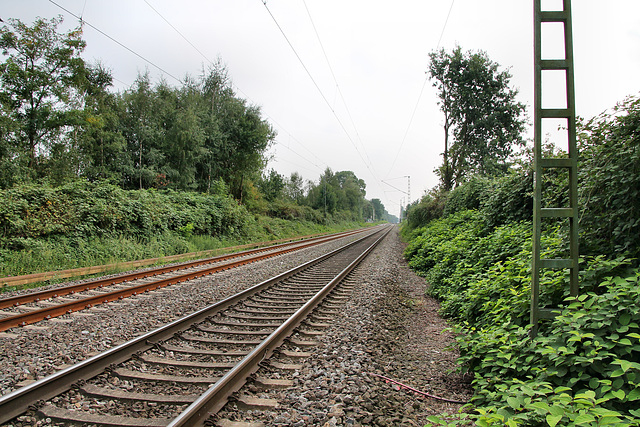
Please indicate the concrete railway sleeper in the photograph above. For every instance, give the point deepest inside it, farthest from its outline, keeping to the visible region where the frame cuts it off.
(184, 372)
(33, 307)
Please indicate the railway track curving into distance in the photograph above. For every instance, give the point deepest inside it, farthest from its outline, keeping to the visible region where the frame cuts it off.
(182, 373)
(36, 306)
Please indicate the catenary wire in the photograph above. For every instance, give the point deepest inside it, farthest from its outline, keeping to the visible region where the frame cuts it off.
(320, 91)
(116, 41)
(424, 83)
(344, 102)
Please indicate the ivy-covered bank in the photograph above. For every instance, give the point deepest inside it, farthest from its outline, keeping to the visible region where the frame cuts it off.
(473, 246)
(80, 224)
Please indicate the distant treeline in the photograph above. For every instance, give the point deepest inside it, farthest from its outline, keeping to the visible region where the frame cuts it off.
(60, 123)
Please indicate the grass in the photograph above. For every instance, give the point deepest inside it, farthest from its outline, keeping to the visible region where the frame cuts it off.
(64, 252)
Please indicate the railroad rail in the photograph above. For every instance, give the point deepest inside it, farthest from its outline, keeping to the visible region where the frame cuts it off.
(136, 264)
(185, 371)
(161, 277)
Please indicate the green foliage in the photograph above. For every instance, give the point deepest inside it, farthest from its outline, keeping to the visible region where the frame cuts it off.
(500, 200)
(87, 210)
(59, 124)
(338, 193)
(271, 186)
(481, 111)
(582, 367)
(469, 195)
(580, 370)
(40, 87)
(429, 208)
(610, 181)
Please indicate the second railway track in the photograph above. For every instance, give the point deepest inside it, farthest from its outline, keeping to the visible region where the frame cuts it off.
(186, 370)
(21, 310)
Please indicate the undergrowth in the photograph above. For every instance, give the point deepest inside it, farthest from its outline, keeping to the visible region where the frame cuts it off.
(582, 369)
(84, 224)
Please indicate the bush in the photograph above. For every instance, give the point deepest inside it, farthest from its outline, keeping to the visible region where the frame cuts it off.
(430, 207)
(87, 210)
(610, 181)
(581, 369)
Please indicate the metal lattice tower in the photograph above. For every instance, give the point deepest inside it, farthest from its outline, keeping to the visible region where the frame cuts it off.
(570, 163)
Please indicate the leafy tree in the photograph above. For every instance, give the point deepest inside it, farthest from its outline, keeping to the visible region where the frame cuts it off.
(338, 192)
(294, 188)
(480, 111)
(139, 129)
(323, 196)
(236, 141)
(350, 190)
(271, 185)
(39, 80)
(101, 142)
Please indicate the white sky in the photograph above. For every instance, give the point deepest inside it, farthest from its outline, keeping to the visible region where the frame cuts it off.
(378, 52)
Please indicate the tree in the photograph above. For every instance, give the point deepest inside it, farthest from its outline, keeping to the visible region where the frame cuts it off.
(480, 110)
(236, 136)
(609, 181)
(39, 79)
(101, 142)
(271, 185)
(294, 188)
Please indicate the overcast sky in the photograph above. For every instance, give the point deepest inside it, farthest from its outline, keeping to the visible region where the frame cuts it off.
(378, 53)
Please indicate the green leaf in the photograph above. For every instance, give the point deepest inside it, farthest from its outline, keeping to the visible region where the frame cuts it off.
(635, 412)
(513, 402)
(624, 364)
(584, 419)
(624, 318)
(634, 394)
(553, 420)
(619, 394)
(543, 406)
(616, 373)
(557, 411)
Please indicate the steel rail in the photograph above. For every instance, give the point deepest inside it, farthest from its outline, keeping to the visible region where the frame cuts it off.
(217, 395)
(136, 264)
(126, 277)
(17, 402)
(34, 316)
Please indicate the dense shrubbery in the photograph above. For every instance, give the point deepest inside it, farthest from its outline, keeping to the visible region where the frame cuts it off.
(610, 181)
(483, 277)
(81, 224)
(582, 368)
(87, 210)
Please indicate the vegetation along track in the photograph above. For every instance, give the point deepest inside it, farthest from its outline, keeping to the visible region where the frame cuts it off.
(33, 307)
(185, 371)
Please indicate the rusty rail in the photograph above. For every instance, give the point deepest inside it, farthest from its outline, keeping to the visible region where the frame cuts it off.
(85, 271)
(23, 319)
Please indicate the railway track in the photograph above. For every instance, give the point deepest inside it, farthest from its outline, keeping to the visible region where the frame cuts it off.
(36, 306)
(185, 371)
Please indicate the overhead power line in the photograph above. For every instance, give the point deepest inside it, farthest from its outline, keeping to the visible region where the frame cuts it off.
(177, 31)
(319, 90)
(116, 41)
(344, 102)
(426, 79)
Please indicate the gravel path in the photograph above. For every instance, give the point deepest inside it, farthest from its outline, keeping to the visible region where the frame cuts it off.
(387, 327)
